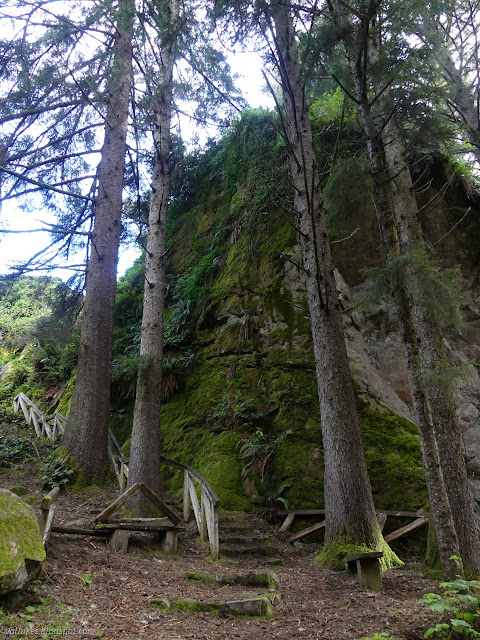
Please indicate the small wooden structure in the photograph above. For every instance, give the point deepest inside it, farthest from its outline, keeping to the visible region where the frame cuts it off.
(367, 567)
(204, 503)
(118, 530)
(420, 518)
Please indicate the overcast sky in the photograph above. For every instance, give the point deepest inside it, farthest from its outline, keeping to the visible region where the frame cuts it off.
(20, 247)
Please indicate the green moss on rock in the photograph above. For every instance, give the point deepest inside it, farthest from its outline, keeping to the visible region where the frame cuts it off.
(63, 406)
(217, 460)
(21, 548)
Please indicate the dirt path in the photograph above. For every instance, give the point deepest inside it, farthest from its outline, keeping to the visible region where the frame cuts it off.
(87, 591)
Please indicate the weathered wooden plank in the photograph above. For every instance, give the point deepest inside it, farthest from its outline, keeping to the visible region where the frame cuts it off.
(193, 474)
(287, 523)
(48, 506)
(154, 499)
(103, 516)
(196, 507)
(126, 526)
(305, 532)
(158, 521)
(186, 497)
(321, 512)
(158, 502)
(381, 519)
(81, 532)
(419, 522)
(211, 520)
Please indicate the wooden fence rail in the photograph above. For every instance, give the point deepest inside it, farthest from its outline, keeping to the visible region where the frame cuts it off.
(205, 507)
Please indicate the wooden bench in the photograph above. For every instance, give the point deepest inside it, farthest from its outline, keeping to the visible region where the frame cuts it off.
(118, 532)
(367, 567)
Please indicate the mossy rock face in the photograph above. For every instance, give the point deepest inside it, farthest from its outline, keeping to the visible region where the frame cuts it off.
(21, 549)
(66, 397)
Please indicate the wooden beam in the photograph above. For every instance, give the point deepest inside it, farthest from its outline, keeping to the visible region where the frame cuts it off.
(48, 506)
(102, 517)
(419, 522)
(321, 512)
(81, 532)
(305, 532)
(154, 499)
(158, 502)
(287, 523)
(127, 526)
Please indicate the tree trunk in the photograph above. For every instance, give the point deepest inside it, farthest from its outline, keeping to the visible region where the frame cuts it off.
(145, 445)
(350, 514)
(432, 354)
(401, 286)
(87, 426)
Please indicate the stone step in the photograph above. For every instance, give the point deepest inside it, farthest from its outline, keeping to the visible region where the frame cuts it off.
(229, 540)
(252, 549)
(249, 606)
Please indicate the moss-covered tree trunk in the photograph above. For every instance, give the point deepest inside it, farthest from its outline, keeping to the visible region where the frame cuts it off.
(432, 352)
(145, 444)
(87, 426)
(350, 514)
(404, 288)
(439, 503)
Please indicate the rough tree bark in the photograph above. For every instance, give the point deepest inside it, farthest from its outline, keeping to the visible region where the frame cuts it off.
(394, 222)
(432, 354)
(350, 514)
(87, 426)
(145, 445)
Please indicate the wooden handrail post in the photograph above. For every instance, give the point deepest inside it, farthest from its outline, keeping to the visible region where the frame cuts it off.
(186, 497)
(48, 506)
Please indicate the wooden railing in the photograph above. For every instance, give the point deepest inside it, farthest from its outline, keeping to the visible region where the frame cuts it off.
(49, 426)
(205, 508)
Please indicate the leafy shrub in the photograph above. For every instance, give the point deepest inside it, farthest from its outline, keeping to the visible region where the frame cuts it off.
(15, 450)
(257, 451)
(57, 471)
(458, 609)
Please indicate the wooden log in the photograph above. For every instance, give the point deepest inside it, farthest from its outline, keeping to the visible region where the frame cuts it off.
(305, 532)
(287, 523)
(81, 532)
(419, 522)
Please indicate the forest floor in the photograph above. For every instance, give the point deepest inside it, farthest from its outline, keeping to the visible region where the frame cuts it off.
(87, 591)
